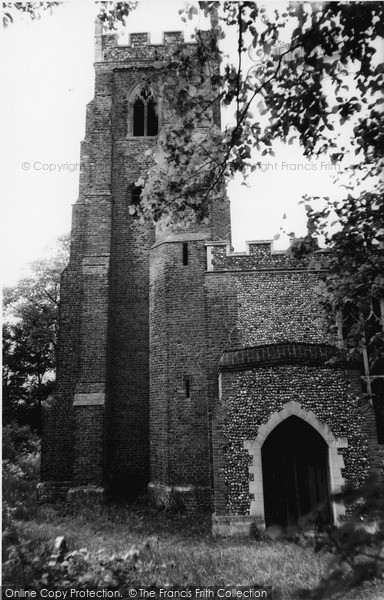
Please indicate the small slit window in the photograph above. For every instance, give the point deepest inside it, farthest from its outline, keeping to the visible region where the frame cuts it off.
(145, 114)
(187, 384)
(185, 253)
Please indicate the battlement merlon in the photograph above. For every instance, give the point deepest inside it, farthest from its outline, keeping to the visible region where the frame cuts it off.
(259, 256)
(139, 48)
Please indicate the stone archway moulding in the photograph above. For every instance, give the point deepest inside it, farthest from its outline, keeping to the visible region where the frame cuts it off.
(335, 460)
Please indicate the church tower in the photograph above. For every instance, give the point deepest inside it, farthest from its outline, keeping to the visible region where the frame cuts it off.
(97, 430)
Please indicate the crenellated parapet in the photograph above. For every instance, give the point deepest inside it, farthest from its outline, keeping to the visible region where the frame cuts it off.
(139, 47)
(259, 256)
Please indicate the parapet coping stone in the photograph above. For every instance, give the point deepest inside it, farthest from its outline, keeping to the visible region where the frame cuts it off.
(182, 236)
(286, 353)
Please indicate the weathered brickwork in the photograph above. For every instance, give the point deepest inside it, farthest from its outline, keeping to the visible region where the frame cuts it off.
(89, 445)
(175, 353)
(179, 410)
(128, 375)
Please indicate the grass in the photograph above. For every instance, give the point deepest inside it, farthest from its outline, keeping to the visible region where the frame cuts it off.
(182, 552)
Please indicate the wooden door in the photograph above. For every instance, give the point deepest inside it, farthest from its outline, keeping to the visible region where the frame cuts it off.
(295, 464)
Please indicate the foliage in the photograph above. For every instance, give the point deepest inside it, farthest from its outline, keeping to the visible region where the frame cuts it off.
(357, 545)
(191, 154)
(19, 485)
(112, 14)
(352, 286)
(29, 564)
(29, 336)
(18, 440)
(301, 90)
(33, 9)
(21, 467)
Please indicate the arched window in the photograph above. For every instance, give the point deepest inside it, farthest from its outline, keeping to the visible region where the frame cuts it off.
(145, 115)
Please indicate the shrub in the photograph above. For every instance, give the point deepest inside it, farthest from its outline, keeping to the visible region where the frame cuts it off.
(357, 545)
(27, 563)
(21, 466)
(19, 440)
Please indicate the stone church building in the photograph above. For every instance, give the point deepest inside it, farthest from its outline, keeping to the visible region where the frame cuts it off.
(190, 372)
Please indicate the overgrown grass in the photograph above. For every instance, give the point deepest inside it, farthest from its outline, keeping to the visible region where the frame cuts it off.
(136, 545)
(180, 550)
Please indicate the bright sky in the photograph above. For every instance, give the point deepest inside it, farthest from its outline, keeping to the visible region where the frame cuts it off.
(48, 78)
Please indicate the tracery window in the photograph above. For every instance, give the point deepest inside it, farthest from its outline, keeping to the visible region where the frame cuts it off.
(145, 114)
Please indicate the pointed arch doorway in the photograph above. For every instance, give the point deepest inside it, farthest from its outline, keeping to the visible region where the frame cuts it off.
(295, 473)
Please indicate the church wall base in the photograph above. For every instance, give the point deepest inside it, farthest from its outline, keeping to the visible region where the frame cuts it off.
(236, 525)
(87, 495)
(51, 491)
(188, 498)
